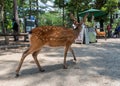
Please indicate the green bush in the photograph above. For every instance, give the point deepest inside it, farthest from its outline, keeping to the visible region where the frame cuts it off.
(50, 19)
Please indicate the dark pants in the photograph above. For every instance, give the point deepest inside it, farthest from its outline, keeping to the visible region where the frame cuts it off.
(109, 33)
(16, 38)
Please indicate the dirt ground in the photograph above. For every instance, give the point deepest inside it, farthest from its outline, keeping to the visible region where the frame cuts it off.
(98, 64)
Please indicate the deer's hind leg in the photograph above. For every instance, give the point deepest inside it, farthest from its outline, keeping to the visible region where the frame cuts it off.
(30, 50)
(27, 52)
(36, 60)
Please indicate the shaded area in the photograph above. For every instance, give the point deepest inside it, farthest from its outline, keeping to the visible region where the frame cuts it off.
(95, 60)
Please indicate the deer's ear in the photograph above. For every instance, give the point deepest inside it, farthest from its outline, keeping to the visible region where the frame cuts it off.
(85, 17)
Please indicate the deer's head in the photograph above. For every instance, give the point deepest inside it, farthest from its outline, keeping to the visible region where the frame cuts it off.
(76, 24)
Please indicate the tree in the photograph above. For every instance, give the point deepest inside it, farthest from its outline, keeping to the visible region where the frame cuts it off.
(110, 7)
(73, 6)
(2, 20)
(100, 3)
(2, 14)
(15, 11)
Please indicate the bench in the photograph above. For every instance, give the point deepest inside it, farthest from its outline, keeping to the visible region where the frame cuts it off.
(13, 34)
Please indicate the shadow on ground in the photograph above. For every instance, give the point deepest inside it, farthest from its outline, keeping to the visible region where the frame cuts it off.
(102, 59)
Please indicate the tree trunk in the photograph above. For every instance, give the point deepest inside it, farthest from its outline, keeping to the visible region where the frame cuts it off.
(111, 19)
(30, 8)
(78, 16)
(2, 23)
(36, 20)
(15, 13)
(2, 19)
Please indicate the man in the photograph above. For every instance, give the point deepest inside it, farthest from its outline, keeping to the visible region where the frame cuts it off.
(15, 29)
(117, 31)
(109, 30)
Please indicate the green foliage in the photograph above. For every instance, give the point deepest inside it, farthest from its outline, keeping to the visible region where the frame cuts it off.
(116, 23)
(75, 6)
(89, 24)
(50, 19)
(110, 6)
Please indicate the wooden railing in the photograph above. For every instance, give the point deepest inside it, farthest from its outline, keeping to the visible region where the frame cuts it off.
(6, 35)
(12, 34)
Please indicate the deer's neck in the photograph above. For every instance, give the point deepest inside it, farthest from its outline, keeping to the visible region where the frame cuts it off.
(77, 30)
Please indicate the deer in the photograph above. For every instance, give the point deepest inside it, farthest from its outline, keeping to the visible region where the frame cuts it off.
(53, 36)
(100, 34)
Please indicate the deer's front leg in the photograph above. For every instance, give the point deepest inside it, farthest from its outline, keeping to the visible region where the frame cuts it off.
(73, 54)
(65, 55)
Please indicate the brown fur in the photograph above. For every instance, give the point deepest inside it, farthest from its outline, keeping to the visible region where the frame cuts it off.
(53, 36)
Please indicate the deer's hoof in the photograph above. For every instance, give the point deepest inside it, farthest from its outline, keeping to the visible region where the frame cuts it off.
(74, 60)
(17, 75)
(65, 67)
(42, 70)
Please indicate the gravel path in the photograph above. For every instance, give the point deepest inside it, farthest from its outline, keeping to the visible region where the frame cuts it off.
(98, 64)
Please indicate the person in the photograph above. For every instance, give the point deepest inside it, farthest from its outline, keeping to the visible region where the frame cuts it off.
(15, 29)
(117, 30)
(109, 30)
